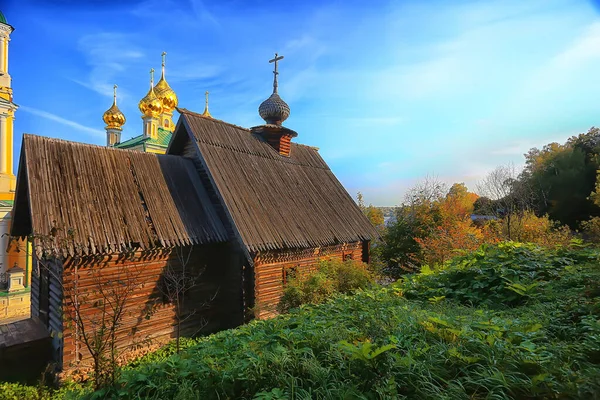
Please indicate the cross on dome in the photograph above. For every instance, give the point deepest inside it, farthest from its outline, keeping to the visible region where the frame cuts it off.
(274, 110)
(275, 72)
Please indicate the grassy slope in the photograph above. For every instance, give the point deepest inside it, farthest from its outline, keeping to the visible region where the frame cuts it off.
(456, 334)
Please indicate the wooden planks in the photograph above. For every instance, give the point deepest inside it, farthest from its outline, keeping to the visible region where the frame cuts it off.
(98, 200)
(147, 319)
(276, 201)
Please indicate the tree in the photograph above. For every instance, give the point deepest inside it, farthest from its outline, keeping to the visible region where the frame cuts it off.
(374, 214)
(96, 311)
(414, 219)
(93, 311)
(564, 177)
(454, 229)
(177, 281)
(510, 197)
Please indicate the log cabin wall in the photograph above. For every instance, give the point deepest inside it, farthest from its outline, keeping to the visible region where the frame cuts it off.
(271, 269)
(148, 320)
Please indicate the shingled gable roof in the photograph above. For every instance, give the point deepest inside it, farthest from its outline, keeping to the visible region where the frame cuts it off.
(110, 199)
(274, 201)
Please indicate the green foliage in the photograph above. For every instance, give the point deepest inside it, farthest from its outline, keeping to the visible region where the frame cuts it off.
(380, 344)
(15, 391)
(591, 229)
(386, 344)
(331, 277)
(374, 214)
(503, 275)
(565, 177)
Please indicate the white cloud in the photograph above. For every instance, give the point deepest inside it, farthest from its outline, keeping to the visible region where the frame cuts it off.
(64, 121)
(108, 55)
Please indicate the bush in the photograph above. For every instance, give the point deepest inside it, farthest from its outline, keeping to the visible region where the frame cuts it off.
(591, 229)
(331, 277)
(506, 274)
(15, 391)
(529, 228)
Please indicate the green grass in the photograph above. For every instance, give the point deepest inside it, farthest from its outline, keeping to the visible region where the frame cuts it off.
(463, 332)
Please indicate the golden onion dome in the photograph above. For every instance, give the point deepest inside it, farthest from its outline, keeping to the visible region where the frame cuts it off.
(113, 117)
(164, 92)
(150, 105)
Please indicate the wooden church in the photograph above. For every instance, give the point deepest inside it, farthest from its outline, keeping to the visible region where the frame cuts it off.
(237, 207)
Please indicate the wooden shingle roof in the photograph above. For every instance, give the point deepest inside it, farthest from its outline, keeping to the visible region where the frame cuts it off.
(275, 202)
(85, 199)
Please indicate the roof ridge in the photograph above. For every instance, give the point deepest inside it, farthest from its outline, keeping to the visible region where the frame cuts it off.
(31, 136)
(195, 114)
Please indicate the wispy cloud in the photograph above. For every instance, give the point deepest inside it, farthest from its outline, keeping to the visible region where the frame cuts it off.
(64, 121)
(109, 55)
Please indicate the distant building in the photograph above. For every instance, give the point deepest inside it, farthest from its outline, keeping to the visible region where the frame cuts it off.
(157, 109)
(17, 304)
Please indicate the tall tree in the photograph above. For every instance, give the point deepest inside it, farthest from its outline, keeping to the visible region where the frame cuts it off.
(510, 196)
(564, 177)
(374, 214)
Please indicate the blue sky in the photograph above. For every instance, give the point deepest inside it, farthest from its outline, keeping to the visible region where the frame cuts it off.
(389, 91)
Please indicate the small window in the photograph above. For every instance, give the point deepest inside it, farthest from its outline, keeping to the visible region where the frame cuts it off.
(166, 123)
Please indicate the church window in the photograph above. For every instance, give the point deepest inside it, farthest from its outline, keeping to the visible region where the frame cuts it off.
(166, 123)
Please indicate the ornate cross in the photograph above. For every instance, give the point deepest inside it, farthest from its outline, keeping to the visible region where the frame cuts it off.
(115, 93)
(206, 99)
(151, 77)
(164, 53)
(275, 73)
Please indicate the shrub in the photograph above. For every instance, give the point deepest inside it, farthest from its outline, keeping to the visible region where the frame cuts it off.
(529, 228)
(15, 391)
(331, 277)
(507, 274)
(591, 229)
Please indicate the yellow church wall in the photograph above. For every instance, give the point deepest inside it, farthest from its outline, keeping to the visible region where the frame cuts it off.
(155, 150)
(15, 306)
(6, 53)
(9, 145)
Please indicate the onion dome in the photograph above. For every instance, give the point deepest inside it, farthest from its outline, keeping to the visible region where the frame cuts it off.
(274, 110)
(164, 92)
(113, 117)
(150, 105)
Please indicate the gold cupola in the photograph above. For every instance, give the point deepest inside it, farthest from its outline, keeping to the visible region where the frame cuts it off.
(164, 92)
(152, 109)
(113, 117)
(150, 105)
(114, 120)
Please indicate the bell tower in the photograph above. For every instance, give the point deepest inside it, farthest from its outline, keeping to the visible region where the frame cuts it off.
(7, 116)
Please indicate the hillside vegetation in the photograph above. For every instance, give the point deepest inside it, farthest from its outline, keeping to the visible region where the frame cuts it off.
(507, 321)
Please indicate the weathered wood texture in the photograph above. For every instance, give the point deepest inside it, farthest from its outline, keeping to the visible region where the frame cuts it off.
(214, 302)
(85, 199)
(275, 202)
(271, 269)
